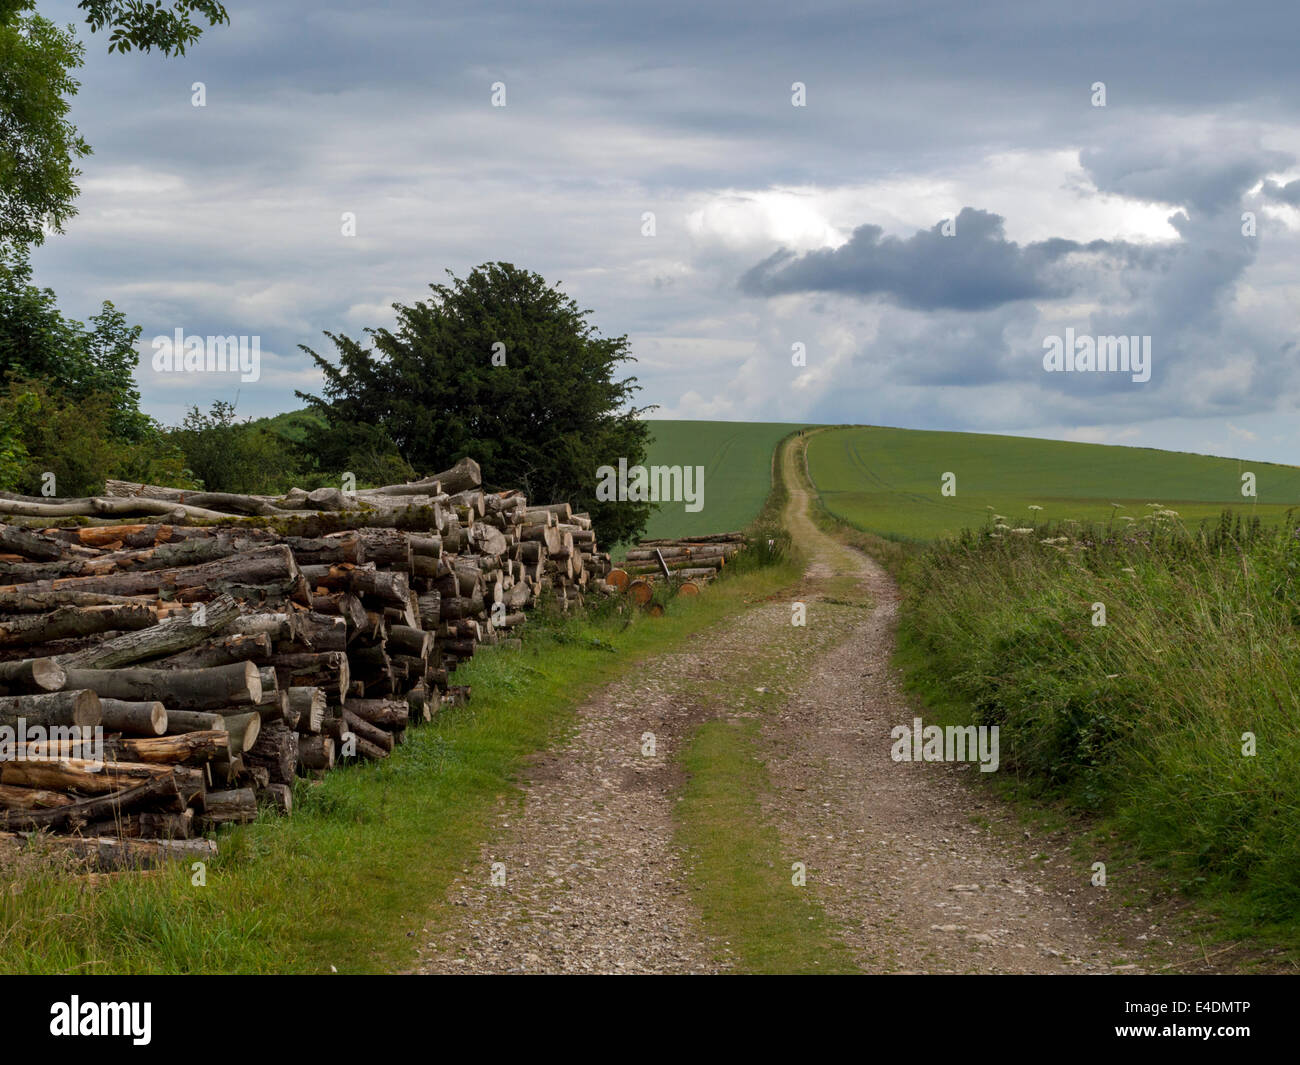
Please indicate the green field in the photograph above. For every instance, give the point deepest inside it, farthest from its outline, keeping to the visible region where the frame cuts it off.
(887, 481)
(737, 461)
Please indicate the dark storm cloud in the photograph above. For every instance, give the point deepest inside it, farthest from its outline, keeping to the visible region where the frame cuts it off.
(1279, 193)
(972, 269)
(1186, 174)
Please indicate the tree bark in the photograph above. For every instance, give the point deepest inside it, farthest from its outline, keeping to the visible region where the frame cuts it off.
(70, 707)
(237, 806)
(173, 635)
(147, 718)
(315, 753)
(185, 749)
(180, 722)
(219, 652)
(237, 684)
(69, 621)
(16, 797)
(113, 855)
(309, 703)
(276, 751)
(34, 675)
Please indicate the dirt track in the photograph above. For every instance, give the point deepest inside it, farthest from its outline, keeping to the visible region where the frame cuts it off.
(920, 871)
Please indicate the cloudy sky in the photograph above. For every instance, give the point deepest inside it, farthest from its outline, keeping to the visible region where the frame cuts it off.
(774, 224)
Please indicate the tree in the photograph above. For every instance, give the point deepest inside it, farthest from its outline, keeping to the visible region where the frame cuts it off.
(227, 455)
(45, 433)
(38, 145)
(499, 366)
(38, 343)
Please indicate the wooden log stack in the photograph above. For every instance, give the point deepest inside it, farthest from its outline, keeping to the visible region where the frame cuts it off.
(227, 643)
(687, 564)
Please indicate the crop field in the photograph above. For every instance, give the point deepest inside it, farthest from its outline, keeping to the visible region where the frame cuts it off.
(737, 461)
(888, 481)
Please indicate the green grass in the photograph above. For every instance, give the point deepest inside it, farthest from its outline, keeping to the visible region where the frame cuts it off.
(1139, 721)
(887, 481)
(737, 461)
(741, 871)
(363, 865)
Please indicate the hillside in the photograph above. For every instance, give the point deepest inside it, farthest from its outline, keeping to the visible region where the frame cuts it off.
(737, 461)
(887, 481)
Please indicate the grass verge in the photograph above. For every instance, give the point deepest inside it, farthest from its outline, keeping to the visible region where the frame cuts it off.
(1171, 724)
(351, 880)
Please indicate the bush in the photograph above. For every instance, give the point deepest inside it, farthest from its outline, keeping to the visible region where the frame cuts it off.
(43, 431)
(227, 455)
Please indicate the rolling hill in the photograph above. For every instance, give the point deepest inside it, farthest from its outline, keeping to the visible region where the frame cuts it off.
(737, 461)
(887, 481)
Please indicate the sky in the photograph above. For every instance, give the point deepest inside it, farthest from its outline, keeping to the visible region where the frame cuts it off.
(909, 198)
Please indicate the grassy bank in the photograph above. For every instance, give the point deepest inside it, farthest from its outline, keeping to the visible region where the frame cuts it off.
(353, 877)
(887, 481)
(737, 461)
(1140, 720)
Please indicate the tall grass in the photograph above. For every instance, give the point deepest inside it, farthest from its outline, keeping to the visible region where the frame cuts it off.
(1141, 719)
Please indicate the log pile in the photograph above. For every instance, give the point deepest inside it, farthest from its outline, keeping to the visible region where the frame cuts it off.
(686, 564)
(245, 640)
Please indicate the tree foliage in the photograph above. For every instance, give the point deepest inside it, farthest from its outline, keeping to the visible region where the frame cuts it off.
(224, 454)
(39, 147)
(542, 415)
(38, 343)
(148, 25)
(44, 431)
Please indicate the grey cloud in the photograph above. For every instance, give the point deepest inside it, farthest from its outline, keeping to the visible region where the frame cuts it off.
(975, 268)
(1209, 178)
(1288, 193)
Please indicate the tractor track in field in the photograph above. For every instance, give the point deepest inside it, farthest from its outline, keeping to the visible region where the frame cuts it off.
(918, 870)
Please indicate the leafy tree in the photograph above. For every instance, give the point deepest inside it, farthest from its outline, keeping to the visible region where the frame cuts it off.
(146, 24)
(45, 431)
(38, 342)
(227, 455)
(432, 392)
(38, 145)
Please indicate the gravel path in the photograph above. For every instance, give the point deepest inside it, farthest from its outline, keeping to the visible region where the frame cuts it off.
(905, 856)
(919, 871)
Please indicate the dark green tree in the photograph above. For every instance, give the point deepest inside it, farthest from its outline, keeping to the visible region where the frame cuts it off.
(499, 366)
(225, 454)
(38, 343)
(39, 147)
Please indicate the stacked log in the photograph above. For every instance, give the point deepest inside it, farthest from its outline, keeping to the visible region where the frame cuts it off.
(687, 564)
(225, 644)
